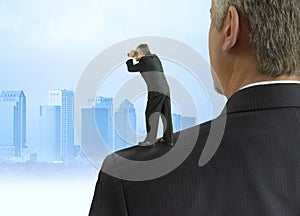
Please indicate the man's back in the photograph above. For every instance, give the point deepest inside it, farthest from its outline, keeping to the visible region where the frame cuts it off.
(151, 63)
(152, 72)
(255, 171)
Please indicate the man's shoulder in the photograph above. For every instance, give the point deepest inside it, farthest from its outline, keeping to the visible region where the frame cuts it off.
(185, 140)
(150, 57)
(159, 148)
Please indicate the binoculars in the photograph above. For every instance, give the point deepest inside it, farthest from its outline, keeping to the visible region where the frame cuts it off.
(135, 53)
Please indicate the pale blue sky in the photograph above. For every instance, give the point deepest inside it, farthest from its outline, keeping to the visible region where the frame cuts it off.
(46, 44)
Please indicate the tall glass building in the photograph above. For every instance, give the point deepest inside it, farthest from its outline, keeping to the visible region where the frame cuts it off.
(12, 124)
(125, 125)
(49, 122)
(65, 100)
(97, 127)
(103, 112)
(177, 122)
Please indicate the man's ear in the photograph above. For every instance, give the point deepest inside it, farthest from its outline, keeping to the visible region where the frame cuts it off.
(232, 29)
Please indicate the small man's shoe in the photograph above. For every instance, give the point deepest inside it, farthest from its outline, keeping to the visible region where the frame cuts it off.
(162, 140)
(147, 143)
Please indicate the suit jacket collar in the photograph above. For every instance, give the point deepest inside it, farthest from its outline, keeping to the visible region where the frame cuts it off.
(264, 97)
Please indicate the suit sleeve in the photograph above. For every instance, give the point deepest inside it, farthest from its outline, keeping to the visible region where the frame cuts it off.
(135, 67)
(109, 199)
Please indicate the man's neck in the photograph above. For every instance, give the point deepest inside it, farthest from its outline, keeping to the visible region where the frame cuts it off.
(271, 82)
(256, 79)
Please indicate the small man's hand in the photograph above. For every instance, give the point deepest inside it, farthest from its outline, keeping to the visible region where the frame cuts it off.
(132, 54)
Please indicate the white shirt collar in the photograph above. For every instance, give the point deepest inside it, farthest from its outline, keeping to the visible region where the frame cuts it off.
(271, 82)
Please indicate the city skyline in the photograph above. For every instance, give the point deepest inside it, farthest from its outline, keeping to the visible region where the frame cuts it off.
(117, 126)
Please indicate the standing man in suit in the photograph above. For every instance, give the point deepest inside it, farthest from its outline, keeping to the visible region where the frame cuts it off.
(254, 49)
(158, 103)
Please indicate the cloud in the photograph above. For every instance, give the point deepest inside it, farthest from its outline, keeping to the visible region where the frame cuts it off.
(9, 20)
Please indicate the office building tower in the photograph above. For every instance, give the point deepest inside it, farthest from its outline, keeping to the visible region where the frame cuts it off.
(97, 129)
(125, 125)
(103, 115)
(177, 122)
(91, 142)
(50, 122)
(12, 124)
(65, 100)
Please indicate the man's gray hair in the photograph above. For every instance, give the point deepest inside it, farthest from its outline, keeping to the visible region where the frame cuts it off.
(274, 31)
(144, 48)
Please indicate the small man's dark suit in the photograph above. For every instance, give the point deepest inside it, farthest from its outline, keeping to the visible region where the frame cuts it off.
(254, 172)
(158, 101)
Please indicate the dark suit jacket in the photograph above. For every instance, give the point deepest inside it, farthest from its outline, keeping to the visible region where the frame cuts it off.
(152, 72)
(145, 64)
(255, 171)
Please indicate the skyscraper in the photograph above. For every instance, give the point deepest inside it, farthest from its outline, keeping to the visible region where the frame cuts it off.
(97, 128)
(49, 121)
(177, 122)
(104, 119)
(125, 125)
(12, 124)
(65, 100)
